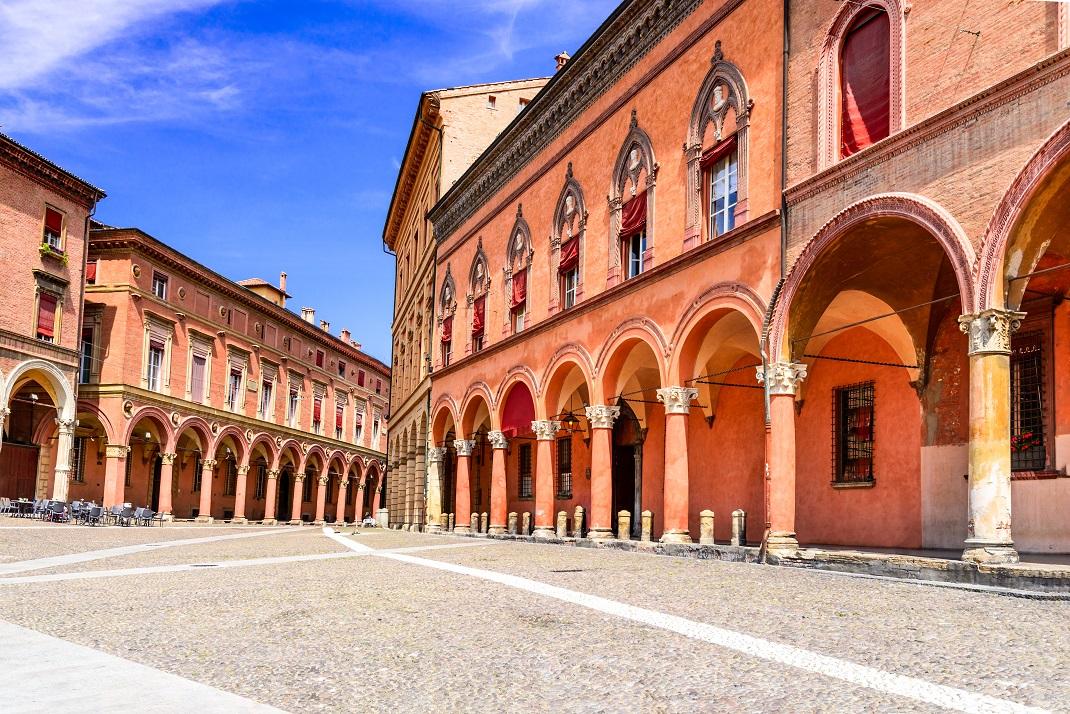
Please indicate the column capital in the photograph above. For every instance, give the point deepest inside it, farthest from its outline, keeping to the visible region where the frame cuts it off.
(273, 474)
(464, 446)
(66, 426)
(208, 464)
(497, 440)
(168, 458)
(677, 400)
(782, 378)
(324, 479)
(344, 483)
(602, 416)
(545, 430)
(435, 454)
(116, 451)
(299, 478)
(242, 470)
(989, 331)
(4, 414)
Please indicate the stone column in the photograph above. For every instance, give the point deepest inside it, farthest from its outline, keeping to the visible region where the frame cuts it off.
(340, 511)
(463, 511)
(988, 538)
(435, 454)
(321, 499)
(270, 497)
(545, 432)
(419, 502)
(64, 444)
(781, 381)
(167, 474)
(204, 513)
(677, 401)
(115, 474)
(239, 494)
(408, 492)
(601, 418)
(295, 510)
(499, 497)
(4, 414)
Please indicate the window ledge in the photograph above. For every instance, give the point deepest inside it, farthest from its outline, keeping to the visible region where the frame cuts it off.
(854, 484)
(1041, 475)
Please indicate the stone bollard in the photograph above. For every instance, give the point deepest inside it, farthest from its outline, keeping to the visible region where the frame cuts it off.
(648, 525)
(562, 524)
(484, 520)
(577, 522)
(705, 528)
(624, 525)
(511, 530)
(475, 523)
(451, 523)
(739, 527)
(525, 524)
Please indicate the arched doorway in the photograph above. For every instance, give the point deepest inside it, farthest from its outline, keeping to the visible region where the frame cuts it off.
(628, 437)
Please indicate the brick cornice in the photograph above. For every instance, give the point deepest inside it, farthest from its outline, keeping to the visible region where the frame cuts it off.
(37, 167)
(425, 122)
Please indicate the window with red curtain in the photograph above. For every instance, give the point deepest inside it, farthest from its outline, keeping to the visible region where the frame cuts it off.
(54, 229)
(570, 255)
(46, 317)
(360, 377)
(520, 289)
(317, 405)
(91, 272)
(633, 215)
(447, 329)
(865, 85)
(338, 417)
(479, 310)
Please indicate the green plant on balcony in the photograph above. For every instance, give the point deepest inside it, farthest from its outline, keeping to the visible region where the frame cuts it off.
(48, 251)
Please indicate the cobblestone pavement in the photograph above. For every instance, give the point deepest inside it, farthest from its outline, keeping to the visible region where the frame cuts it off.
(328, 626)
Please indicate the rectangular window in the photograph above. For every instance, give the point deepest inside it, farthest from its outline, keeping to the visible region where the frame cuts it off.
(91, 272)
(634, 247)
(723, 193)
(446, 354)
(234, 389)
(261, 482)
(319, 358)
(78, 455)
(1028, 423)
(378, 386)
(46, 317)
(230, 482)
(196, 378)
(375, 430)
(197, 473)
(477, 343)
(522, 104)
(341, 369)
(317, 414)
(358, 426)
(155, 367)
(492, 101)
(85, 362)
(360, 377)
(564, 467)
(159, 285)
(53, 235)
(339, 412)
(267, 388)
(569, 282)
(853, 409)
(524, 470)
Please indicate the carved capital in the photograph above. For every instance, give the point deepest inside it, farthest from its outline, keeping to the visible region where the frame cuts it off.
(677, 400)
(167, 458)
(497, 440)
(601, 416)
(782, 377)
(324, 479)
(273, 474)
(243, 470)
(990, 331)
(545, 430)
(208, 464)
(464, 446)
(435, 454)
(299, 478)
(344, 483)
(66, 426)
(116, 451)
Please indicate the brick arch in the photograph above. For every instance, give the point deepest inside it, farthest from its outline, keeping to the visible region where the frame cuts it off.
(911, 207)
(100, 416)
(168, 435)
(478, 390)
(318, 451)
(239, 439)
(642, 329)
(829, 73)
(293, 447)
(272, 448)
(50, 378)
(991, 264)
(201, 428)
(574, 353)
(735, 297)
(445, 408)
(518, 374)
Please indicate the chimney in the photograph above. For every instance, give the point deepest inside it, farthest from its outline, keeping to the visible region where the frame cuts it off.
(325, 326)
(562, 60)
(344, 335)
(282, 281)
(308, 314)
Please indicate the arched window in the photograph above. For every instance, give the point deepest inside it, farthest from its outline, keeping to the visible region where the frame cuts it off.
(566, 244)
(517, 270)
(716, 151)
(631, 207)
(479, 281)
(447, 308)
(861, 78)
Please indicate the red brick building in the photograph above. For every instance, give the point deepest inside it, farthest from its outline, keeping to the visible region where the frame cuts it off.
(44, 218)
(201, 397)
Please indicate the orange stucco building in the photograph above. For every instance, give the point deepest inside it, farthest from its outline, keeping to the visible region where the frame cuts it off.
(823, 285)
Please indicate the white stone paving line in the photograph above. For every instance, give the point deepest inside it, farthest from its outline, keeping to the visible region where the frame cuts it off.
(40, 673)
(886, 682)
(59, 561)
(214, 565)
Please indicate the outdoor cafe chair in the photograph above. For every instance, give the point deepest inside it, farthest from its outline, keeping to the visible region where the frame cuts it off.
(114, 513)
(7, 507)
(94, 516)
(146, 517)
(126, 515)
(57, 512)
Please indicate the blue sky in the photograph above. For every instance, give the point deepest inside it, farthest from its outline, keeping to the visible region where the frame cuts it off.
(262, 135)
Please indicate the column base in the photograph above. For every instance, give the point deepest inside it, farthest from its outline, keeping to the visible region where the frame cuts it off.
(544, 532)
(296, 522)
(204, 519)
(676, 536)
(320, 522)
(989, 553)
(600, 534)
(432, 528)
(269, 522)
(782, 545)
(239, 521)
(462, 530)
(496, 530)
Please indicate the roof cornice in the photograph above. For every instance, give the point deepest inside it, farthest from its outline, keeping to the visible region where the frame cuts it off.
(425, 121)
(634, 28)
(32, 164)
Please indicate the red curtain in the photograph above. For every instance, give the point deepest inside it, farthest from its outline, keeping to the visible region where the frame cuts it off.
(46, 316)
(717, 152)
(633, 218)
(359, 419)
(54, 220)
(520, 288)
(570, 254)
(864, 83)
(91, 272)
(479, 311)
(338, 418)
(447, 329)
(316, 410)
(518, 412)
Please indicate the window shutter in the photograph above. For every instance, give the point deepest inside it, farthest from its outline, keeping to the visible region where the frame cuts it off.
(360, 378)
(54, 221)
(717, 152)
(479, 308)
(46, 315)
(338, 417)
(570, 255)
(447, 329)
(196, 381)
(864, 83)
(520, 288)
(91, 272)
(633, 215)
(316, 405)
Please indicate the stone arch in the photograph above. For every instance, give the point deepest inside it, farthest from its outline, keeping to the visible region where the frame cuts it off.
(168, 436)
(712, 105)
(627, 169)
(238, 439)
(479, 272)
(54, 381)
(519, 373)
(100, 416)
(620, 363)
(317, 451)
(641, 328)
(576, 354)
(570, 222)
(567, 373)
(992, 265)
(445, 415)
(200, 429)
(829, 73)
(734, 297)
(910, 207)
(292, 448)
(478, 391)
(270, 447)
